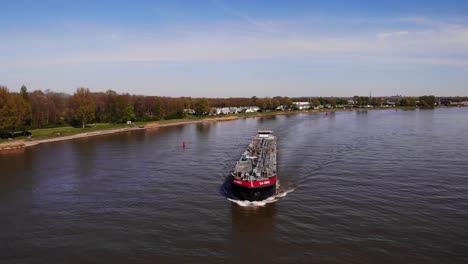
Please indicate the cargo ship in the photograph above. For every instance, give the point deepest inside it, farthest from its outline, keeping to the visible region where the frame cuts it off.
(254, 177)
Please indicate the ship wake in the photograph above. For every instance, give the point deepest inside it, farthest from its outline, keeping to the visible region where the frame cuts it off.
(280, 193)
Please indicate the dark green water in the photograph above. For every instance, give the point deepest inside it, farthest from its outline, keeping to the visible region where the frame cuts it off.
(368, 187)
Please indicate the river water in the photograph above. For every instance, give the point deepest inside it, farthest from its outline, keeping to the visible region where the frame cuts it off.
(358, 187)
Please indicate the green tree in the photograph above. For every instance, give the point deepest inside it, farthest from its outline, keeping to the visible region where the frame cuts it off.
(341, 101)
(408, 101)
(362, 100)
(322, 101)
(315, 102)
(289, 103)
(24, 92)
(129, 114)
(120, 106)
(275, 103)
(427, 101)
(83, 107)
(202, 106)
(332, 101)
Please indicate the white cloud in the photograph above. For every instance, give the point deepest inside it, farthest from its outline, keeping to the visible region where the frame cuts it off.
(391, 34)
(441, 43)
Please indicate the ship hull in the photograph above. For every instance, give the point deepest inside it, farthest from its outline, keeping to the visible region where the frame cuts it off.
(253, 191)
(253, 194)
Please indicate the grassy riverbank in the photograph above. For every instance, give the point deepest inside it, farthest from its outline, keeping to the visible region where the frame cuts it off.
(67, 132)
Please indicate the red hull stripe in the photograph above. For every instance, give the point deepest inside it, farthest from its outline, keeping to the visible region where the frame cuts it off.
(254, 184)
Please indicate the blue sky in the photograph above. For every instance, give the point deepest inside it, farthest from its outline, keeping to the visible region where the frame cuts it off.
(222, 48)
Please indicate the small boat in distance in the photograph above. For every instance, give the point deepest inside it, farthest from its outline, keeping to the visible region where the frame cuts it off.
(254, 176)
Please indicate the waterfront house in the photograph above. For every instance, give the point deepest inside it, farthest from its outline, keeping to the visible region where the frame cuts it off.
(302, 105)
(189, 111)
(249, 109)
(224, 110)
(233, 110)
(281, 108)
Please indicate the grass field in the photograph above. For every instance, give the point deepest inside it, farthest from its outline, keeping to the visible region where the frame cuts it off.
(44, 133)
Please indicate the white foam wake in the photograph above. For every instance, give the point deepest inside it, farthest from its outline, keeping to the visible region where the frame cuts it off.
(272, 199)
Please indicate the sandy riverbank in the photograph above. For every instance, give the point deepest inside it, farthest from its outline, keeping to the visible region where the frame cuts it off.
(19, 144)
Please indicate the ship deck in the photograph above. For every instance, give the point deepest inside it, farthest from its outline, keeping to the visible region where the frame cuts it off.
(258, 161)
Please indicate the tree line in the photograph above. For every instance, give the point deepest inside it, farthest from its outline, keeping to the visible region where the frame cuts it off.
(41, 109)
(20, 111)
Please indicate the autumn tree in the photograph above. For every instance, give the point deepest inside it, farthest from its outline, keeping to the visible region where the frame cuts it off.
(289, 103)
(5, 110)
(407, 101)
(82, 106)
(22, 112)
(157, 108)
(109, 107)
(376, 101)
(14, 112)
(362, 100)
(39, 109)
(275, 103)
(202, 106)
(24, 108)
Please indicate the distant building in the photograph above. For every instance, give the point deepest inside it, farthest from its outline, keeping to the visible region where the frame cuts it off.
(281, 108)
(233, 110)
(249, 109)
(444, 101)
(463, 103)
(225, 110)
(394, 100)
(189, 111)
(302, 105)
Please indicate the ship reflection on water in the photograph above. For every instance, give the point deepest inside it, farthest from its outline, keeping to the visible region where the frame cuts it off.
(252, 226)
(253, 221)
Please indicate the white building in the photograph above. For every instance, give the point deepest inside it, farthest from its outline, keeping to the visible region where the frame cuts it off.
(189, 111)
(302, 105)
(281, 108)
(224, 110)
(249, 109)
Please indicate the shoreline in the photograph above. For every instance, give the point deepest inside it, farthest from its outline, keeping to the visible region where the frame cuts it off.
(21, 144)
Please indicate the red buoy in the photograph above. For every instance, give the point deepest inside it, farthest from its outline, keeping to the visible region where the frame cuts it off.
(183, 144)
